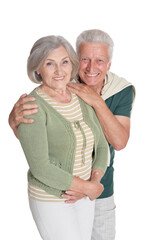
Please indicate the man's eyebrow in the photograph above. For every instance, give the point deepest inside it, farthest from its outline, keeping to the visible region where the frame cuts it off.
(84, 56)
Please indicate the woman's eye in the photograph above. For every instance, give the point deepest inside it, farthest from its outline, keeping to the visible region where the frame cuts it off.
(49, 64)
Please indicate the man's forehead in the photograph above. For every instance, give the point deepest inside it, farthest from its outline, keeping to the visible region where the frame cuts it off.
(93, 49)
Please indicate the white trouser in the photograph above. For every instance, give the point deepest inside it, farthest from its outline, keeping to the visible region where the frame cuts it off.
(62, 221)
(104, 219)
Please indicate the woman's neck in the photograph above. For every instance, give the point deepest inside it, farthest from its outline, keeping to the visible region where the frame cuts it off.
(59, 94)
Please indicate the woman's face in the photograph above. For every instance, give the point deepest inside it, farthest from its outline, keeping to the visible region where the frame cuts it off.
(56, 69)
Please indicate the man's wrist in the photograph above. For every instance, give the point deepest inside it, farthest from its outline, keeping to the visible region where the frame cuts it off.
(96, 175)
(98, 103)
(13, 126)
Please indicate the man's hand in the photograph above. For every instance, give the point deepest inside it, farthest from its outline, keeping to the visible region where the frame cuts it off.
(20, 110)
(85, 92)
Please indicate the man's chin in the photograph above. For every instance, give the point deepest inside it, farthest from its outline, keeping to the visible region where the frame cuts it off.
(90, 81)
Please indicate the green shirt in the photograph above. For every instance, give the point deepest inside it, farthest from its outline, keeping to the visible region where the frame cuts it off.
(119, 104)
(49, 145)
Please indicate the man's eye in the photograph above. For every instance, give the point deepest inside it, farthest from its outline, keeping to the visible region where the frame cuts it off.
(100, 60)
(65, 62)
(84, 59)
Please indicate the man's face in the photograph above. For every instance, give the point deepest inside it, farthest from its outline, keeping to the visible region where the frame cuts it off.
(94, 63)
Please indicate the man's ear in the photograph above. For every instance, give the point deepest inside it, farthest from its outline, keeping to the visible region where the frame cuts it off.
(109, 65)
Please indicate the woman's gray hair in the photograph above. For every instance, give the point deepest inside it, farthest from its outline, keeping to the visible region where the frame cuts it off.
(42, 48)
(95, 35)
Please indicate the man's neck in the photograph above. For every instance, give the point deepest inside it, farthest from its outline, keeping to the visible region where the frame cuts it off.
(98, 88)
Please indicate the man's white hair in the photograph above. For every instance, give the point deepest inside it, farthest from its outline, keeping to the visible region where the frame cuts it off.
(95, 35)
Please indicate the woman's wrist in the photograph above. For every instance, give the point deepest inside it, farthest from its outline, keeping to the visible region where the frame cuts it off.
(92, 188)
(80, 185)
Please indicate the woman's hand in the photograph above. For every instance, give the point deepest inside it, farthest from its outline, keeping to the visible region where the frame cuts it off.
(20, 110)
(96, 187)
(95, 190)
(81, 188)
(72, 196)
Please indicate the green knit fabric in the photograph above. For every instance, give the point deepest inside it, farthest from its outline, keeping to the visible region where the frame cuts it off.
(49, 145)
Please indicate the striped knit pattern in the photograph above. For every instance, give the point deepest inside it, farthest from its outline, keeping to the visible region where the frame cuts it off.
(83, 157)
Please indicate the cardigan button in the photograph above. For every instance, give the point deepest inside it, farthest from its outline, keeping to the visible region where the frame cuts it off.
(76, 124)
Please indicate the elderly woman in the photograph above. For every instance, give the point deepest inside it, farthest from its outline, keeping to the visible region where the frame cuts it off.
(65, 146)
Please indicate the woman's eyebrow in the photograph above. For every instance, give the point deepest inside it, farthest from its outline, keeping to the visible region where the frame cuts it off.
(49, 59)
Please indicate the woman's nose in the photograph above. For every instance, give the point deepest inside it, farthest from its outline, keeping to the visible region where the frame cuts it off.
(58, 70)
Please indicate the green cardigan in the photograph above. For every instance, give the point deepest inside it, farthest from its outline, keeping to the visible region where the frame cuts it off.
(49, 145)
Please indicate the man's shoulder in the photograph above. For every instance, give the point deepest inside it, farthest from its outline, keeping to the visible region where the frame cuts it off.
(113, 85)
(115, 77)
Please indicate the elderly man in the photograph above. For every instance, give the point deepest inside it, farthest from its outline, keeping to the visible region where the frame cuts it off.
(112, 98)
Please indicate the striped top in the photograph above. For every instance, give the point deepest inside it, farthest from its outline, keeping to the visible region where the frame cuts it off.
(84, 139)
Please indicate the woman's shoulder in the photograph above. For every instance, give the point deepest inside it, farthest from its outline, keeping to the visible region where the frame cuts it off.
(38, 101)
(34, 94)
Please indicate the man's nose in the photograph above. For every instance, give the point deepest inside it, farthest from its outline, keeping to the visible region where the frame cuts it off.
(91, 66)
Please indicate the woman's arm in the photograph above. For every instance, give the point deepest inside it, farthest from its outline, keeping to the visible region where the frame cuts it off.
(33, 138)
(94, 190)
(34, 141)
(94, 187)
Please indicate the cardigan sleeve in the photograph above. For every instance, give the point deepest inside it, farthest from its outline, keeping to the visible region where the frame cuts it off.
(33, 139)
(102, 153)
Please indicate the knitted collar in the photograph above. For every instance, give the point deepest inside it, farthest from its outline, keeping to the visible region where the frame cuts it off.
(114, 84)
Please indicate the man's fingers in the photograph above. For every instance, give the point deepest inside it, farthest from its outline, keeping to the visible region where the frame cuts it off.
(78, 90)
(23, 95)
(29, 112)
(73, 90)
(77, 86)
(20, 118)
(25, 120)
(20, 114)
(23, 100)
(23, 107)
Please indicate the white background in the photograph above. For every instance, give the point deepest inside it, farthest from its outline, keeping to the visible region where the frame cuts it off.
(134, 27)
